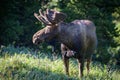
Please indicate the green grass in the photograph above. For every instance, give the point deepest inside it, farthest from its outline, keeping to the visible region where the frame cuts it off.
(25, 64)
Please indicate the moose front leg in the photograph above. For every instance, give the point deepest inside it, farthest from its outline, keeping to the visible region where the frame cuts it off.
(66, 64)
(81, 66)
(54, 52)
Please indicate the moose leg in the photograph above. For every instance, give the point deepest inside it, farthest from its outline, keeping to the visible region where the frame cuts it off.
(54, 51)
(88, 65)
(81, 66)
(66, 64)
(65, 58)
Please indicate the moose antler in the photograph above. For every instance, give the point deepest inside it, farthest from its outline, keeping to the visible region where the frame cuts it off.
(55, 16)
(42, 17)
(50, 17)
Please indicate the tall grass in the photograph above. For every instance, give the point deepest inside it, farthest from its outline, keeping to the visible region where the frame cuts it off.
(26, 64)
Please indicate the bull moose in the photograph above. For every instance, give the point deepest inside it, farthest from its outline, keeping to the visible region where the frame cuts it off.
(78, 36)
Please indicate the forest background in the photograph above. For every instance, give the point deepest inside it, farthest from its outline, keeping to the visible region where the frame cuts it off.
(18, 24)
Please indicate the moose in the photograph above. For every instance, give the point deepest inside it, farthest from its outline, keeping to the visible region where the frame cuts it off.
(78, 38)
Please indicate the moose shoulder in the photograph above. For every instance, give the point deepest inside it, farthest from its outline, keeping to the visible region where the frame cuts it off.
(79, 36)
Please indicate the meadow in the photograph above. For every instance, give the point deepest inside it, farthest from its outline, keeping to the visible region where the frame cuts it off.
(23, 63)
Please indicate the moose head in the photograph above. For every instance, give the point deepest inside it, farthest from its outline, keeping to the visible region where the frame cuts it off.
(50, 18)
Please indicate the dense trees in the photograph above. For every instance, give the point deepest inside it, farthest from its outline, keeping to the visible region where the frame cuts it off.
(17, 23)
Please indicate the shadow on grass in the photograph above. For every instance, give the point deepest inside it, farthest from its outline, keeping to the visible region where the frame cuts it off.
(27, 73)
(21, 71)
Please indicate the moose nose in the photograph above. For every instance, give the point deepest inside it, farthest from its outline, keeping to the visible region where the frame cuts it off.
(34, 41)
(37, 41)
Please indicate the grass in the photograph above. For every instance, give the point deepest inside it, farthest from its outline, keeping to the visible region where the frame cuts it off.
(26, 64)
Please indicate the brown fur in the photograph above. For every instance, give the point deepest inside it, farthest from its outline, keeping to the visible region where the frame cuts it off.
(79, 36)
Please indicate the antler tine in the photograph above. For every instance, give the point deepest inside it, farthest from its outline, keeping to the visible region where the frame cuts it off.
(41, 19)
(41, 14)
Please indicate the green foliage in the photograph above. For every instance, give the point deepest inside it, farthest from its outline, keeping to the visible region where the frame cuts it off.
(17, 64)
(17, 23)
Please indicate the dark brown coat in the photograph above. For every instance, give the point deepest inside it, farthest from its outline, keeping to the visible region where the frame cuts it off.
(78, 36)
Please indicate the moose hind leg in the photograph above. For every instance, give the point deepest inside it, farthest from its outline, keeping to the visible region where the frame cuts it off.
(88, 65)
(81, 66)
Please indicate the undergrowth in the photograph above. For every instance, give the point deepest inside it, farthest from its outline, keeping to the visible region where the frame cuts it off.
(26, 64)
